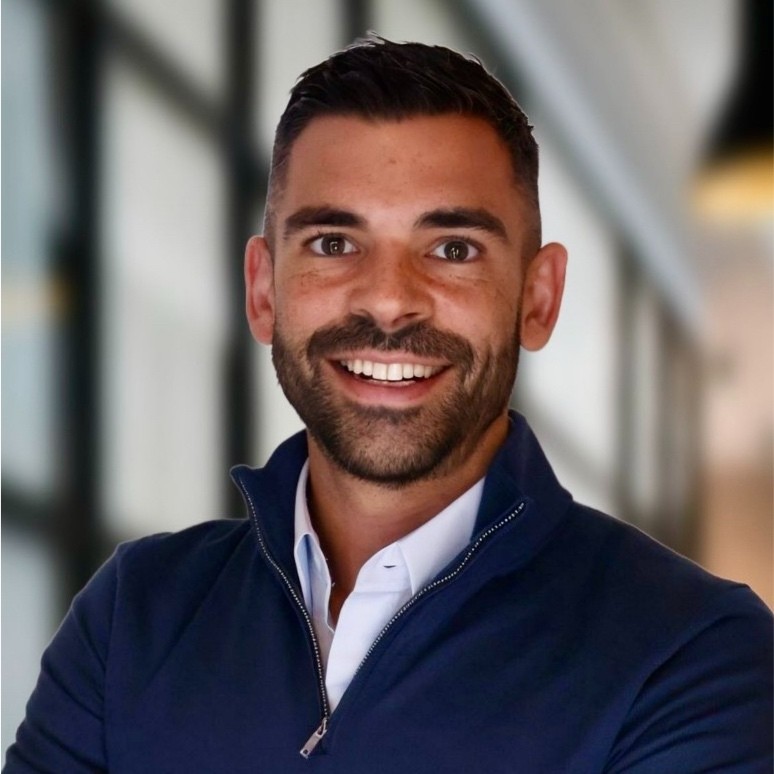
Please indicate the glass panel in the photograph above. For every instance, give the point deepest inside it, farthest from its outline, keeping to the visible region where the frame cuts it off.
(30, 301)
(428, 22)
(164, 303)
(291, 36)
(572, 382)
(190, 32)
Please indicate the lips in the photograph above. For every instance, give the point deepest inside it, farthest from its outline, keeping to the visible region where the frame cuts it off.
(390, 372)
(397, 368)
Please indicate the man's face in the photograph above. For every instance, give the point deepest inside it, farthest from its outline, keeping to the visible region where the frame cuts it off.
(397, 276)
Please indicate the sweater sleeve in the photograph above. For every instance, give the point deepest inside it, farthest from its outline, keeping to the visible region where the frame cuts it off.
(709, 706)
(63, 727)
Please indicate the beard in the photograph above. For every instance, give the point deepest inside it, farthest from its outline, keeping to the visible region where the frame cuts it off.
(396, 446)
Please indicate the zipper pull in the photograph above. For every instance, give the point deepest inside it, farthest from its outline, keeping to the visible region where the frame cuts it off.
(314, 739)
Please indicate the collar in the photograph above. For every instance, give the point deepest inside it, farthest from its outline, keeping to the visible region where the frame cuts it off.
(518, 472)
(419, 556)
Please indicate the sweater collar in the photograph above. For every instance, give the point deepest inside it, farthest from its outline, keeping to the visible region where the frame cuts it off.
(519, 471)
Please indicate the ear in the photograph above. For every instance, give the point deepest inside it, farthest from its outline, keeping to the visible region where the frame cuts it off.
(542, 295)
(259, 287)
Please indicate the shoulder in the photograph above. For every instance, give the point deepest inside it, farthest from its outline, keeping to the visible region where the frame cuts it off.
(180, 564)
(205, 542)
(162, 568)
(149, 590)
(689, 653)
(654, 593)
(699, 648)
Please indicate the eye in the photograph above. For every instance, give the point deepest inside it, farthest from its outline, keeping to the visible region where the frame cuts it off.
(456, 251)
(331, 244)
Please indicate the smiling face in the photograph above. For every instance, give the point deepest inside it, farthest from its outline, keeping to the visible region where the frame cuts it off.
(397, 287)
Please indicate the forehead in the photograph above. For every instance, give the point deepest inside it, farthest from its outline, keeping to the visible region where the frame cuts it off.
(418, 162)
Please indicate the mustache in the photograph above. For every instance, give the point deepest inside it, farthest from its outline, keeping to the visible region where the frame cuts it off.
(419, 339)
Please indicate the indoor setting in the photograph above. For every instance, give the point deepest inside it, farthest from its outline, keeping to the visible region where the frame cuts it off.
(136, 137)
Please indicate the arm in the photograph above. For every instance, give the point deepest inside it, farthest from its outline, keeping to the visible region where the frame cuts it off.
(708, 707)
(63, 728)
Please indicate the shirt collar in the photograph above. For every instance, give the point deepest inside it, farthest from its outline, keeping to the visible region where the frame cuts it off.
(425, 551)
(305, 542)
(429, 548)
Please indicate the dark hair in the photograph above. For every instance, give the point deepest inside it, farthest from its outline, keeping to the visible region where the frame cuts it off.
(379, 79)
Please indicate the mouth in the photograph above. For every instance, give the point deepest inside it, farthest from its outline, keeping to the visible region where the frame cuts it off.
(399, 380)
(374, 370)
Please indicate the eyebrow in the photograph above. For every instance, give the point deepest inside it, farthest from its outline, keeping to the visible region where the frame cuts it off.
(463, 217)
(308, 217)
(455, 217)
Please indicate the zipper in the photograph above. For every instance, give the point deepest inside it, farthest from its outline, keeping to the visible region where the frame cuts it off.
(315, 738)
(319, 732)
(450, 576)
(322, 729)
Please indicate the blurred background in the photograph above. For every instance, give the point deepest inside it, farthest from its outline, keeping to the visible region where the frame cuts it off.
(135, 141)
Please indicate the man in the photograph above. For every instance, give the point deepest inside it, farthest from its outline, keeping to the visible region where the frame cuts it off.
(413, 590)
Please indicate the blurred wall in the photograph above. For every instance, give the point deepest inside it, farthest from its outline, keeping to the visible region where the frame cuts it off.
(135, 139)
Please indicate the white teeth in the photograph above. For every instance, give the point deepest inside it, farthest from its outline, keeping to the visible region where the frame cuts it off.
(395, 372)
(390, 372)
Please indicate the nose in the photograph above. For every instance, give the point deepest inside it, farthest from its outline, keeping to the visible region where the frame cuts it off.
(391, 289)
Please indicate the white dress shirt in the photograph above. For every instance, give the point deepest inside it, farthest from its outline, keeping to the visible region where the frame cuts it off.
(384, 584)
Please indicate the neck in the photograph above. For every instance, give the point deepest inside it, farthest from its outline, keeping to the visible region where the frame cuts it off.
(355, 518)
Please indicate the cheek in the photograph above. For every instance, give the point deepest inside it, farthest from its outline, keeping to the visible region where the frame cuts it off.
(304, 306)
(482, 310)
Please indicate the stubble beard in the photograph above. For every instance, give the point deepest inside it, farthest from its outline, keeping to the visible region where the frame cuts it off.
(396, 446)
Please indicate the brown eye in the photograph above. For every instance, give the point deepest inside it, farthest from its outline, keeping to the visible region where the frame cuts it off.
(331, 244)
(456, 251)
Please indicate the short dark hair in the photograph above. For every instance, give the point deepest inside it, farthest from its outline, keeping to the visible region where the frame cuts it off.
(378, 79)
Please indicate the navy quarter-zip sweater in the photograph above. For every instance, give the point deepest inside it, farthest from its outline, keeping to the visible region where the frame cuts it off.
(560, 641)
